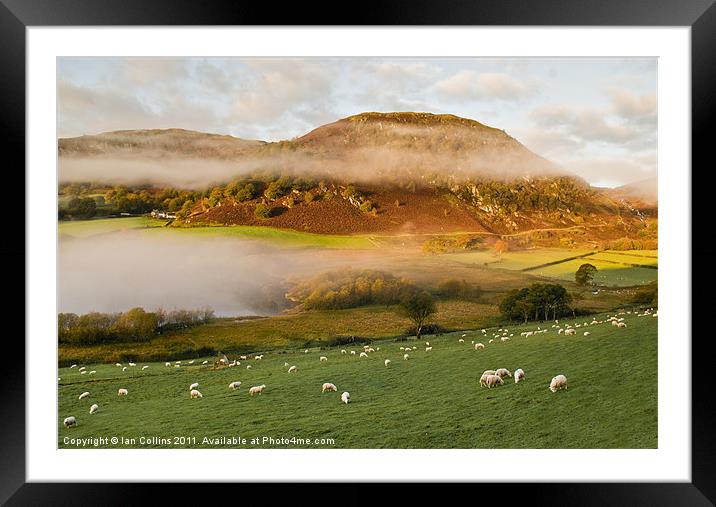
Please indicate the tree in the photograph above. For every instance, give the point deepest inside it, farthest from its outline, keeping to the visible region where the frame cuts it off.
(262, 210)
(585, 274)
(418, 308)
(500, 246)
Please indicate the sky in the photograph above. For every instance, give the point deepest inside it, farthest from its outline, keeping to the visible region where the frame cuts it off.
(595, 117)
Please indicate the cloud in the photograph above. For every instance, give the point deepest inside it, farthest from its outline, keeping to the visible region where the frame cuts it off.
(641, 109)
(586, 124)
(468, 84)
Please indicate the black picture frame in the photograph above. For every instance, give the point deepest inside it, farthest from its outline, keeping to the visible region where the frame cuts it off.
(700, 15)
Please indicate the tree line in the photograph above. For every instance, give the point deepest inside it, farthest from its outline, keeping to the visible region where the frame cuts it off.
(135, 325)
(539, 301)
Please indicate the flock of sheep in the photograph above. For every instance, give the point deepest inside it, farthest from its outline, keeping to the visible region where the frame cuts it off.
(489, 378)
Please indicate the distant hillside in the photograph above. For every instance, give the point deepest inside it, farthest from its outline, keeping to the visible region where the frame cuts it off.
(645, 191)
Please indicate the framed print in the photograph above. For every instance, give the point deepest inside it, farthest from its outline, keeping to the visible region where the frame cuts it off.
(388, 250)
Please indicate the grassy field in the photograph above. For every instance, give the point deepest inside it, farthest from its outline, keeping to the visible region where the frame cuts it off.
(297, 330)
(517, 260)
(432, 400)
(608, 274)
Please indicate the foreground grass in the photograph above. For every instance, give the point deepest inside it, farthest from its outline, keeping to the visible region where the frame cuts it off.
(297, 330)
(432, 400)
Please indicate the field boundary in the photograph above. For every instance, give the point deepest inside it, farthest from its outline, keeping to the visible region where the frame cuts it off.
(560, 261)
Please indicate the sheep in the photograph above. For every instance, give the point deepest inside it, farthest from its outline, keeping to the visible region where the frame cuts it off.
(353, 352)
(415, 348)
(177, 366)
(132, 364)
(460, 340)
(363, 354)
(194, 386)
(124, 368)
(428, 349)
(504, 339)
(122, 392)
(82, 368)
(503, 372)
(402, 348)
(83, 372)
(558, 382)
(191, 362)
(195, 394)
(405, 357)
(167, 364)
(483, 380)
(491, 340)
(73, 366)
(323, 359)
(93, 372)
(343, 351)
(118, 364)
(292, 369)
(259, 357)
(427, 344)
(621, 324)
(587, 333)
(493, 380)
(370, 349)
(84, 395)
(479, 346)
(257, 389)
(346, 397)
(93, 408)
(488, 372)
(377, 349)
(234, 385)
(242, 358)
(570, 332)
(328, 387)
(145, 367)
(205, 362)
(248, 367)
(560, 331)
(386, 362)
(70, 421)
(519, 375)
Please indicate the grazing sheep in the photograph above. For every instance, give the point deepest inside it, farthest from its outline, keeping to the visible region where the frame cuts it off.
(243, 357)
(328, 387)
(132, 364)
(427, 344)
(345, 397)
(587, 333)
(479, 346)
(248, 367)
(558, 382)
(353, 352)
(560, 331)
(483, 380)
(377, 349)
(93, 372)
(94, 408)
(257, 389)
(292, 369)
(70, 421)
(488, 372)
(73, 366)
(570, 332)
(370, 349)
(323, 359)
(234, 385)
(415, 348)
(363, 354)
(122, 392)
(405, 357)
(145, 367)
(82, 368)
(195, 394)
(177, 366)
(167, 364)
(83, 372)
(194, 386)
(491, 340)
(205, 362)
(460, 340)
(259, 357)
(493, 380)
(504, 339)
(428, 349)
(191, 362)
(503, 372)
(519, 375)
(343, 351)
(464, 335)
(387, 362)
(118, 364)
(123, 369)
(621, 324)
(84, 395)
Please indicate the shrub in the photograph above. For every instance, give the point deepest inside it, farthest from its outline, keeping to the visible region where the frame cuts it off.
(262, 211)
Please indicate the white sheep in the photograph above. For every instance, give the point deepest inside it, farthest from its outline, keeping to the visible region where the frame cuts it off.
(191, 362)
(323, 359)
(145, 367)
(292, 369)
(519, 375)
(248, 367)
(491, 340)
(118, 364)
(493, 380)
(243, 357)
(195, 394)
(70, 421)
(353, 352)
(343, 351)
(405, 357)
(93, 372)
(167, 364)
(257, 389)
(503, 372)
(132, 364)
(479, 346)
(205, 362)
(460, 340)
(83, 372)
(587, 333)
(346, 397)
(84, 395)
(386, 362)
(363, 354)
(570, 332)
(558, 382)
(415, 348)
(82, 368)
(483, 380)
(259, 357)
(428, 349)
(122, 392)
(73, 366)
(504, 339)
(234, 385)
(488, 372)
(427, 344)
(124, 368)
(194, 386)
(621, 324)
(94, 408)
(328, 387)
